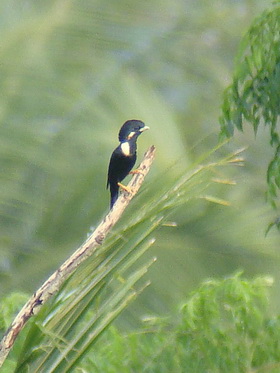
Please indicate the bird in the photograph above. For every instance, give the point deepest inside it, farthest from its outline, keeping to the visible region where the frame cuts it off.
(124, 156)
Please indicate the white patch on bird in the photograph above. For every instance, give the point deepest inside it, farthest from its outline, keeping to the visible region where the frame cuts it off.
(130, 135)
(125, 148)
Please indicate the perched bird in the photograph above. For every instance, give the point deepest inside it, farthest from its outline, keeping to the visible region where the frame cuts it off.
(123, 157)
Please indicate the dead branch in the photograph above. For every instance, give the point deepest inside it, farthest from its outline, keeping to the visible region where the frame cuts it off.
(54, 282)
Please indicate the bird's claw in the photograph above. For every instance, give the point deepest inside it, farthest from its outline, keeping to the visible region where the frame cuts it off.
(136, 171)
(124, 187)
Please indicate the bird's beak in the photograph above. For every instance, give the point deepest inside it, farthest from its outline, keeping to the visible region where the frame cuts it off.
(144, 129)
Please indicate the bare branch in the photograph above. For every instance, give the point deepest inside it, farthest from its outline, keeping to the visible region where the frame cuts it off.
(54, 282)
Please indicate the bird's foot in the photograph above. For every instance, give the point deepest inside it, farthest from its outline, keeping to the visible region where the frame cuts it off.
(135, 172)
(124, 187)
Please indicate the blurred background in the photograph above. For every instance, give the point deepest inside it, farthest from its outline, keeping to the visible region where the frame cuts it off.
(71, 73)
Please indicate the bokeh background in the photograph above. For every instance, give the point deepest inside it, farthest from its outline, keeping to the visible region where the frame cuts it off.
(71, 72)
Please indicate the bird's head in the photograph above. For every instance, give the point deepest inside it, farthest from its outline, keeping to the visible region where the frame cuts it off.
(131, 129)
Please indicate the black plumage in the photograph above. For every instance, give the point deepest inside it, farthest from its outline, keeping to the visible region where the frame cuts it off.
(123, 157)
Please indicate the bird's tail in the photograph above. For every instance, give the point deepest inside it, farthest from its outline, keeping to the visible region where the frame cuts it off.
(114, 190)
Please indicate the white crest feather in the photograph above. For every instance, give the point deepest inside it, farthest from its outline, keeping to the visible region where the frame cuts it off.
(131, 135)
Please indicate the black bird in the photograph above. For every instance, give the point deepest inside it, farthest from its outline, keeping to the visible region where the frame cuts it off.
(123, 157)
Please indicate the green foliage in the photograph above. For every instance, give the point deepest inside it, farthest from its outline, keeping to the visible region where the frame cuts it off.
(223, 327)
(254, 95)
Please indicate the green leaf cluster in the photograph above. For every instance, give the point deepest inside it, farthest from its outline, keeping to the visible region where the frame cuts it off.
(254, 95)
(224, 326)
